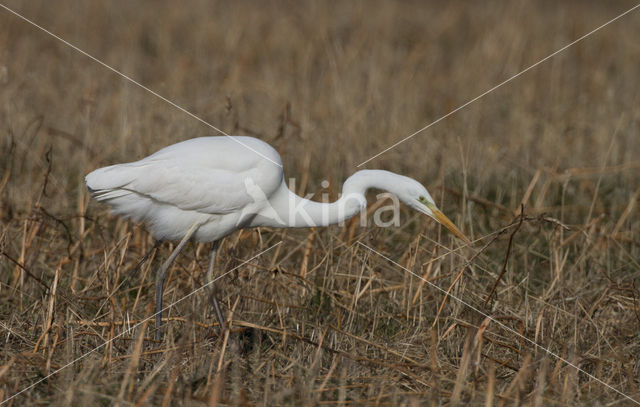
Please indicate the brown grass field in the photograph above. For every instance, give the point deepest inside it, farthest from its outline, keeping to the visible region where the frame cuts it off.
(321, 319)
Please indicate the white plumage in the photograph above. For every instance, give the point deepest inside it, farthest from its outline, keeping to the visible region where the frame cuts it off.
(208, 187)
(201, 181)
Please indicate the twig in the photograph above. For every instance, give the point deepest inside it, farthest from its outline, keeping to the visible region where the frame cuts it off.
(17, 263)
(506, 257)
(464, 268)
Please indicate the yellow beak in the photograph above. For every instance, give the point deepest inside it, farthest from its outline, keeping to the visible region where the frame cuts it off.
(440, 217)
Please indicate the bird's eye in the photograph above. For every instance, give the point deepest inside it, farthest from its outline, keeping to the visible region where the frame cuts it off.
(421, 198)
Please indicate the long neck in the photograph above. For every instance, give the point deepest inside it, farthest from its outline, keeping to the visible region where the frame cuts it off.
(295, 211)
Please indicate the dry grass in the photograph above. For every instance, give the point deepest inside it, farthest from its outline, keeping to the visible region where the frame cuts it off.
(321, 319)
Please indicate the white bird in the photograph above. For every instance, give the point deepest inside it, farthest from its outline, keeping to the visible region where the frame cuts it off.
(206, 188)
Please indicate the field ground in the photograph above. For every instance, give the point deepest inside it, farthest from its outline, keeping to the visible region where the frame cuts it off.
(322, 319)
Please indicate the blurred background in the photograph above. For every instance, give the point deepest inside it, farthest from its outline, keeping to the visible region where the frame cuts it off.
(331, 84)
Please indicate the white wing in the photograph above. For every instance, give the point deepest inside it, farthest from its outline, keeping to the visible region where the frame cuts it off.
(207, 175)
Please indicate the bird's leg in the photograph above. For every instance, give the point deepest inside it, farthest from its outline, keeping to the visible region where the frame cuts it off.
(212, 287)
(162, 273)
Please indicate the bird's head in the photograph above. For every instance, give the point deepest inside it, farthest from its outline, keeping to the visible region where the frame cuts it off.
(408, 190)
(416, 196)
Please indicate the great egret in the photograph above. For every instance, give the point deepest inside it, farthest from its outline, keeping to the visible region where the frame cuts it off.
(206, 188)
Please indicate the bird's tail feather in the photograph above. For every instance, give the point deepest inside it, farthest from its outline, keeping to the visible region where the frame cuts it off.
(109, 185)
(103, 182)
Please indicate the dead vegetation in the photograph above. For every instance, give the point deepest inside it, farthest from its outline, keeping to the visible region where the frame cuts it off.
(322, 319)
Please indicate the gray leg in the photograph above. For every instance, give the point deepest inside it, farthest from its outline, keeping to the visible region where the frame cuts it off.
(162, 273)
(212, 287)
